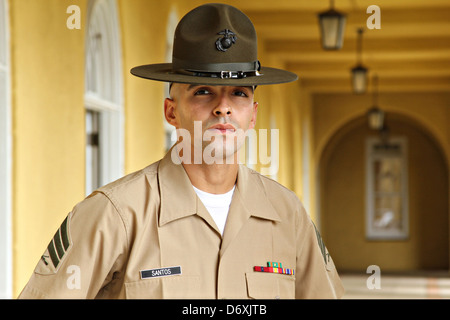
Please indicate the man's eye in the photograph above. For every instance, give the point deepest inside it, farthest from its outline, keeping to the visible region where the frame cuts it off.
(240, 93)
(200, 92)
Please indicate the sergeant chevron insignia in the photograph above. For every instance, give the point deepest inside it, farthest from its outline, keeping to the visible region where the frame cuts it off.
(56, 249)
(323, 248)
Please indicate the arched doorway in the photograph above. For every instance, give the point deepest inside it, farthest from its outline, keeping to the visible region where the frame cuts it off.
(343, 186)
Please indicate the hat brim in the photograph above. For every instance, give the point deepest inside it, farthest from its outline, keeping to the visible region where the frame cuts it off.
(164, 72)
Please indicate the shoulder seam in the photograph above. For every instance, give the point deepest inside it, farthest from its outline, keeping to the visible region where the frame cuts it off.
(261, 176)
(118, 210)
(109, 187)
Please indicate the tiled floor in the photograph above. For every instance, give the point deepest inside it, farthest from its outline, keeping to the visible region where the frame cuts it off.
(407, 286)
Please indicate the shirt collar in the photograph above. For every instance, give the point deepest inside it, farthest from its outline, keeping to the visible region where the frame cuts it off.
(253, 195)
(178, 198)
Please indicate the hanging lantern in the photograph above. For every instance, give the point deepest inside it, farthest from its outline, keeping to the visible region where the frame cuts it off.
(359, 72)
(332, 27)
(359, 79)
(375, 117)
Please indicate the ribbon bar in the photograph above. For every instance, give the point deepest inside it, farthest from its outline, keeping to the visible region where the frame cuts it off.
(274, 267)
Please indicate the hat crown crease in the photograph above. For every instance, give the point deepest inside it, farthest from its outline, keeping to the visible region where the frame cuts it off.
(198, 31)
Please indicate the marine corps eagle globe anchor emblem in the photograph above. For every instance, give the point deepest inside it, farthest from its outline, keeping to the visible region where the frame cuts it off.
(224, 43)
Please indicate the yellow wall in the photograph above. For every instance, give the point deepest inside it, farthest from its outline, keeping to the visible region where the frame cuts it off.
(288, 107)
(48, 125)
(143, 26)
(309, 162)
(48, 113)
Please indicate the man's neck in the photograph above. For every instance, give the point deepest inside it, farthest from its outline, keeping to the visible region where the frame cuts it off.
(212, 178)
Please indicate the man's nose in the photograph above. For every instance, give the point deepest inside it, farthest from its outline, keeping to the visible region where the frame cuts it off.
(222, 108)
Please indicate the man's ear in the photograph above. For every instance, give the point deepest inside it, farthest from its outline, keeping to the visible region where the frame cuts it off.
(169, 112)
(253, 119)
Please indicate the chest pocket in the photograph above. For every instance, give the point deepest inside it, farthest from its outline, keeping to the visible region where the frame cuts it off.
(270, 286)
(174, 287)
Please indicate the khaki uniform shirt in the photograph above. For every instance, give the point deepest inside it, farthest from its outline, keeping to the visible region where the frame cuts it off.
(148, 235)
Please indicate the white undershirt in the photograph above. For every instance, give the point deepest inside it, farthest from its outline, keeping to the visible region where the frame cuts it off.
(217, 205)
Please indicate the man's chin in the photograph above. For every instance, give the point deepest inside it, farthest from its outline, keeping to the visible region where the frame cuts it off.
(217, 153)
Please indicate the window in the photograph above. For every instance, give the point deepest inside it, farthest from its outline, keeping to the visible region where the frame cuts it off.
(5, 158)
(103, 96)
(387, 194)
(92, 150)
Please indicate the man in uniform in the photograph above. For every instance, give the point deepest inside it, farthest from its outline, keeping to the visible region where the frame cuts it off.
(196, 224)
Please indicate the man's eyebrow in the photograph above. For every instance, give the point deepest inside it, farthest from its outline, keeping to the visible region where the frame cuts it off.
(192, 86)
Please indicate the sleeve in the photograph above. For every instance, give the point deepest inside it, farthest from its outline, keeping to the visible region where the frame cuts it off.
(316, 275)
(86, 252)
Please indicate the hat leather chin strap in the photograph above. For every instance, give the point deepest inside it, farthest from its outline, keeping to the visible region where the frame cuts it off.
(218, 70)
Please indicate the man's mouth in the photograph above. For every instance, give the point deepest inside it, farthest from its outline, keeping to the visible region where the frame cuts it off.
(223, 128)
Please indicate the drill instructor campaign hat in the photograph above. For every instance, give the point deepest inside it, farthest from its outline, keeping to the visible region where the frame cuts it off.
(215, 44)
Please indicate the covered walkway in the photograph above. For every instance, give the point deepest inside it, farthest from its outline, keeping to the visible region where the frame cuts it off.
(399, 286)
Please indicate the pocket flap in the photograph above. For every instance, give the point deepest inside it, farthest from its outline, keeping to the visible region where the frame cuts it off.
(175, 287)
(262, 285)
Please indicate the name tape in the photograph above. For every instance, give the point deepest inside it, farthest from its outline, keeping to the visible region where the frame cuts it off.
(160, 272)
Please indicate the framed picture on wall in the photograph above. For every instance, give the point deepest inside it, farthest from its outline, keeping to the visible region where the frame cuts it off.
(387, 189)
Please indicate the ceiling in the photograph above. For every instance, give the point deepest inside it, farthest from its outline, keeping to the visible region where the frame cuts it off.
(411, 51)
